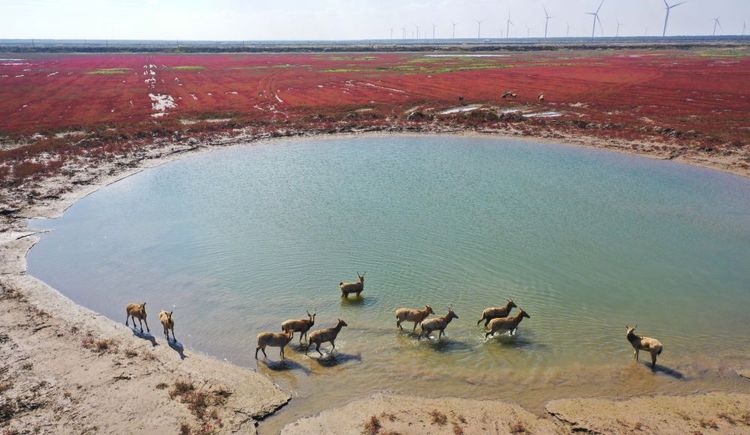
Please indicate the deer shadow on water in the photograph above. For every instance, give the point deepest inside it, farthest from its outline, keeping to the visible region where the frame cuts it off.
(335, 358)
(674, 373)
(145, 336)
(284, 365)
(354, 301)
(515, 341)
(445, 345)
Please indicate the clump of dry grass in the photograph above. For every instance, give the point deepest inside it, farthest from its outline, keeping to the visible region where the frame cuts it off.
(461, 418)
(161, 386)
(438, 418)
(745, 419)
(457, 430)
(202, 402)
(518, 427)
(372, 426)
(390, 417)
(708, 424)
(5, 386)
(99, 346)
(726, 417)
(130, 353)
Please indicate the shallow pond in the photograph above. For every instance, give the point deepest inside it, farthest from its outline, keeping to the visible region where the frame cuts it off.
(239, 239)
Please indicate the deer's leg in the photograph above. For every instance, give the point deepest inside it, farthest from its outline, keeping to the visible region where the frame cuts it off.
(146, 321)
(653, 360)
(256, 352)
(126, 320)
(317, 347)
(637, 352)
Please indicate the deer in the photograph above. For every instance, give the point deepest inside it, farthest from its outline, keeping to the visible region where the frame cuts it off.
(495, 312)
(437, 324)
(651, 345)
(352, 287)
(325, 335)
(165, 317)
(273, 339)
(137, 311)
(299, 325)
(412, 315)
(506, 324)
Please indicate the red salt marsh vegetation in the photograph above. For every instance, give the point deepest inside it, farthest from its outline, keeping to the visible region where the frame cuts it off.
(54, 109)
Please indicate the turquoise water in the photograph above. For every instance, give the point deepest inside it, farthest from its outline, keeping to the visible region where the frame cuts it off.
(240, 239)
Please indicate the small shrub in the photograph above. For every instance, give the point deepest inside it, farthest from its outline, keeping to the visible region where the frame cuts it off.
(130, 353)
(438, 418)
(161, 386)
(708, 424)
(184, 429)
(5, 386)
(99, 346)
(726, 417)
(372, 426)
(457, 429)
(518, 427)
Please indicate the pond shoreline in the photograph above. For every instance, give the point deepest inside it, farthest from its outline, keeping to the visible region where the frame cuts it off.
(43, 322)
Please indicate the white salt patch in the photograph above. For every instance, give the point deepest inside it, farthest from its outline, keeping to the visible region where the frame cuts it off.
(231, 92)
(320, 86)
(278, 98)
(385, 88)
(20, 75)
(14, 63)
(210, 94)
(542, 115)
(194, 97)
(461, 109)
(161, 103)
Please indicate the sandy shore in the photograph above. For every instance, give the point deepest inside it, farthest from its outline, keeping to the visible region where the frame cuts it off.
(390, 414)
(66, 369)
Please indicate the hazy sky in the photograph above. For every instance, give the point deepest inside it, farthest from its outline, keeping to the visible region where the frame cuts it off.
(350, 19)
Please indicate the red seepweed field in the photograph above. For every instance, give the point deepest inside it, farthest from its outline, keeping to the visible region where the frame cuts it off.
(55, 107)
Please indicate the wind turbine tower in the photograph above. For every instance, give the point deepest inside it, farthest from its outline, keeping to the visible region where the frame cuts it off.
(716, 24)
(744, 27)
(507, 26)
(666, 18)
(546, 21)
(434, 27)
(618, 28)
(596, 18)
(454, 29)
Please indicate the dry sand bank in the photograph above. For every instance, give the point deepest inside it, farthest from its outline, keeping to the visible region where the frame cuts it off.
(66, 369)
(391, 414)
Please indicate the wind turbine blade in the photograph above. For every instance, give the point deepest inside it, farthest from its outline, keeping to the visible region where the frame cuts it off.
(600, 6)
(600, 22)
(677, 4)
(666, 4)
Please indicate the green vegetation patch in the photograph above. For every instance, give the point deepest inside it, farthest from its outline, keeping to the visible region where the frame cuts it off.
(109, 71)
(189, 68)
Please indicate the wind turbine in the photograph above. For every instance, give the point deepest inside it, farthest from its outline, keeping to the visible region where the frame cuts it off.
(434, 27)
(744, 27)
(391, 32)
(403, 33)
(567, 31)
(479, 29)
(716, 24)
(507, 26)
(454, 29)
(417, 25)
(546, 21)
(666, 19)
(618, 28)
(596, 18)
